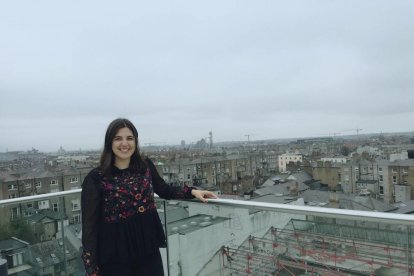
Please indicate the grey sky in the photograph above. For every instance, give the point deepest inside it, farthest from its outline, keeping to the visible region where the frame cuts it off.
(178, 69)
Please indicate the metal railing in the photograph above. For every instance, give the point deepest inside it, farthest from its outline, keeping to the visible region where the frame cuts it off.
(381, 217)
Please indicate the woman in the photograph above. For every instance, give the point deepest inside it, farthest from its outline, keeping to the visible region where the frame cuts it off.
(121, 230)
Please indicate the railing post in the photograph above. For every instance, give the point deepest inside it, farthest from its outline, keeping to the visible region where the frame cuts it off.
(409, 252)
(62, 225)
(166, 237)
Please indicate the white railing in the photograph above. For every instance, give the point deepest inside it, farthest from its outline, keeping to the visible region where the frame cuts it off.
(380, 217)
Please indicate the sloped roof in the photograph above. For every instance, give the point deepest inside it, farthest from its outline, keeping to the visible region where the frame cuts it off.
(51, 252)
(300, 176)
(345, 201)
(281, 189)
(406, 207)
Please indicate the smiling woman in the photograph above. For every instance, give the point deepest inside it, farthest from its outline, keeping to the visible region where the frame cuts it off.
(121, 230)
(123, 147)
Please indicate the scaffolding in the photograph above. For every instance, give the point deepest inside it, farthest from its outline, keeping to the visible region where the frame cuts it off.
(318, 248)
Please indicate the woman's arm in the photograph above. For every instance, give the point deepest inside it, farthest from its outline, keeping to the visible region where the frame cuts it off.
(167, 192)
(90, 200)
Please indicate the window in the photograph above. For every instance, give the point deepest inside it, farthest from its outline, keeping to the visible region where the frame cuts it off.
(28, 185)
(76, 219)
(381, 191)
(12, 187)
(394, 179)
(73, 180)
(55, 207)
(405, 170)
(76, 205)
(14, 212)
(380, 169)
(12, 195)
(381, 178)
(394, 170)
(54, 190)
(38, 184)
(43, 204)
(53, 182)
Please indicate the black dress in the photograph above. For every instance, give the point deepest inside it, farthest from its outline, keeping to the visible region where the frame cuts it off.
(120, 223)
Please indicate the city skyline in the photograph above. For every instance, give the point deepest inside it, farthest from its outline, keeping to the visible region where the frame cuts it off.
(272, 70)
(251, 142)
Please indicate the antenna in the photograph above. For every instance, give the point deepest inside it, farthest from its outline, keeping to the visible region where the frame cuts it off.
(248, 137)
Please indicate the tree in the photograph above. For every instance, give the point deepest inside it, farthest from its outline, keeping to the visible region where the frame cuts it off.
(345, 150)
(17, 228)
(4, 232)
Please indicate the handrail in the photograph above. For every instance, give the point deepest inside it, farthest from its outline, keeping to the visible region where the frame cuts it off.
(38, 197)
(391, 218)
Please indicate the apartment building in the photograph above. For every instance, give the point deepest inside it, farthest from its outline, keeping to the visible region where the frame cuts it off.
(39, 180)
(335, 159)
(214, 172)
(391, 181)
(287, 158)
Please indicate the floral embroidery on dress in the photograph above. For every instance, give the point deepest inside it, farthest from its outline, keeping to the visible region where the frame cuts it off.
(90, 268)
(126, 195)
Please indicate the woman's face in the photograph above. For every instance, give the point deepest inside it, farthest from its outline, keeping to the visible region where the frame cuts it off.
(123, 145)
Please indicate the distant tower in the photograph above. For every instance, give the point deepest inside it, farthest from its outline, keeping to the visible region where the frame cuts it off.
(183, 143)
(211, 139)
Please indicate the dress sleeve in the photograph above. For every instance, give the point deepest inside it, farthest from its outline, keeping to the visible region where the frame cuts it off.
(91, 201)
(166, 191)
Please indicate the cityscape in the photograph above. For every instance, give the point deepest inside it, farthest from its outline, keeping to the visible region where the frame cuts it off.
(362, 172)
(297, 115)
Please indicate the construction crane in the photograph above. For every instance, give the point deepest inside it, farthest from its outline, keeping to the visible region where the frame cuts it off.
(355, 129)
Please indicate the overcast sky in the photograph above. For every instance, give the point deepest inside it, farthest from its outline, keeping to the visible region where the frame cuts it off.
(179, 69)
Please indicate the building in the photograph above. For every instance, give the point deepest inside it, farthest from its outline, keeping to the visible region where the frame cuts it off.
(287, 158)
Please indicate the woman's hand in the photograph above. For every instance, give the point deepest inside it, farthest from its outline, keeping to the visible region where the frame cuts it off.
(203, 195)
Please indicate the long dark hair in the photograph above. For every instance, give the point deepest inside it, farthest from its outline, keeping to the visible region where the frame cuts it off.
(136, 164)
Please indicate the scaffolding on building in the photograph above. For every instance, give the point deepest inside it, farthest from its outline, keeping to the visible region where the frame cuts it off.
(320, 248)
